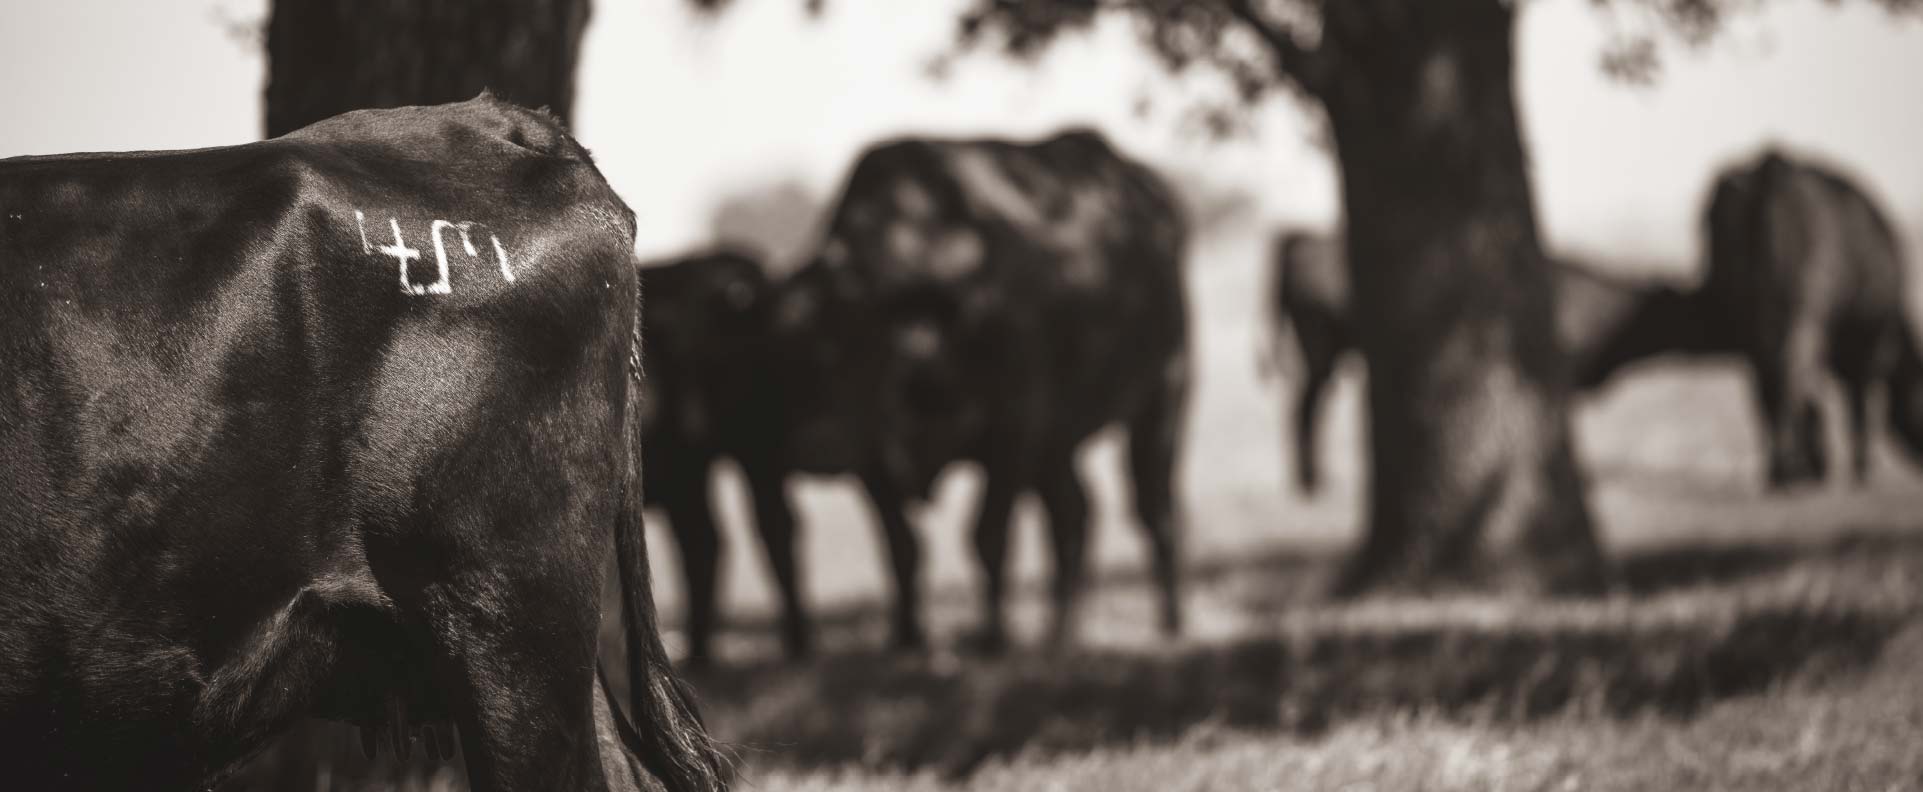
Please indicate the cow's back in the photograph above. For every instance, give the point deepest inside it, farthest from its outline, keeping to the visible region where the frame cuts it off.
(1076, 250)
(1789, 238)
(236, 378)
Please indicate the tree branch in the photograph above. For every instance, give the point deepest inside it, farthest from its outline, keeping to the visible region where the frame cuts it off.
(1307, 66)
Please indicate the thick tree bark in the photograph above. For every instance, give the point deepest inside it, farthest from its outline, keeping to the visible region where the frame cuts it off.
(1473, 478)
(326, 57)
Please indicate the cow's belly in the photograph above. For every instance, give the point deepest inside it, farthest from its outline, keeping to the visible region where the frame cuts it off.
(130, 697)
(200, 601)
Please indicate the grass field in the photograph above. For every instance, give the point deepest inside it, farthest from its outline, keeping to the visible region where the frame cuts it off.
(1752, 641)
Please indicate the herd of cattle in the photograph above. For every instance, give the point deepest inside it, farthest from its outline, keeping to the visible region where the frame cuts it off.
(993, 306)
(1804, 273)
(245, 479)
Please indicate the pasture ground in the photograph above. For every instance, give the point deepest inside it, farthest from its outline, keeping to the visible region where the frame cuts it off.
(1753, 642)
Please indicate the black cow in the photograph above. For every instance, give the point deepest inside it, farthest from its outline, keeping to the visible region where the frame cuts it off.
(1810, 275)
(998, 302)
(716, 394)
(1604, 323)
(330, 425)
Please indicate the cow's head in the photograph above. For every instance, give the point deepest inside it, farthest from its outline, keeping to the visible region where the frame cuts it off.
(1658, 320)
(881, 374)
(939, 378)
(825, 365)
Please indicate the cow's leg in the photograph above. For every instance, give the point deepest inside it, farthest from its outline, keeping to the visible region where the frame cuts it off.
(1066, 500)
(1787, 373)
(1856, 401)
(502, 569)
(775, 520)
(1154, 439)
(515, 639)
(1769, 385)
(991, 552)
(904, 559)
(1319, 353)
(1807, 372)
(685, 497)
(1861, 354)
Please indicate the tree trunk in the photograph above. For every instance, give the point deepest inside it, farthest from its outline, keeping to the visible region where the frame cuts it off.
(326, 57)
(1473, 478)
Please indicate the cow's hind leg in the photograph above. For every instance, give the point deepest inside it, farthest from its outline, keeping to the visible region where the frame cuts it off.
(775, 520)
(515, 642)
(1786, 376)
(1862, 354)
(1154, 440)
(1066, 500)
(1856, 401)
(991, 552)
(683, 493)
(505, 583)
(904, 559)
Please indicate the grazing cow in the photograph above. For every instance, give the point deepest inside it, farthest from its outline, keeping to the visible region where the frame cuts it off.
(1810, 275)
(330, 425)
(998, 302)
(715, 395)
(1604, 323)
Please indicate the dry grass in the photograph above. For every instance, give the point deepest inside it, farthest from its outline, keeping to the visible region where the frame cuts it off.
(1346, 672)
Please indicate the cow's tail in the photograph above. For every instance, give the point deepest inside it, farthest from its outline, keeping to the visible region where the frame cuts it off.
(1905, 398)
(670, 740)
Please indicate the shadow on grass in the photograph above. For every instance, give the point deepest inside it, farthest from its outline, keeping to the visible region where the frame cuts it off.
(910, 713)
(1692, 624)
(1685, 565)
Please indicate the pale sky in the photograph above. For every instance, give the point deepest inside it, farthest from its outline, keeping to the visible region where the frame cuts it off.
(680, 112)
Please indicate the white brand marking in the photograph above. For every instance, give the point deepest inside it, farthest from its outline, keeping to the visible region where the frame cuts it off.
(403, 254)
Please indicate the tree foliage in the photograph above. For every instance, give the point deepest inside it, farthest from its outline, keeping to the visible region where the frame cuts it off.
(1217, 34)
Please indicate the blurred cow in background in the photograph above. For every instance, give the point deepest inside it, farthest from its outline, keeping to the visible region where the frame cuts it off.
(716, 394)
(998, 302)
(1604, 322)
(1809, 275)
